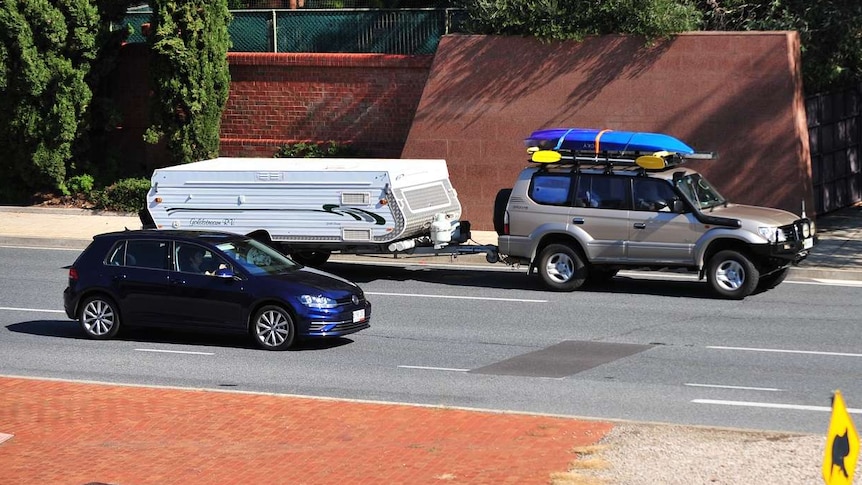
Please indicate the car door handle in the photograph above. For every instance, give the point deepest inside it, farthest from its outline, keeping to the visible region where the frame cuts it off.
(578, 220)
(640, 225)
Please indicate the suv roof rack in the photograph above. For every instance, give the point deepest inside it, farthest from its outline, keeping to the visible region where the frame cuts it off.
(655, 162)
(606, 148)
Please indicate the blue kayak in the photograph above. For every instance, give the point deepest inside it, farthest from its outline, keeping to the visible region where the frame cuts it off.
(593, 140)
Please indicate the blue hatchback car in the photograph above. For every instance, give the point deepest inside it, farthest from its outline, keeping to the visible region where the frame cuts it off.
(209, 281)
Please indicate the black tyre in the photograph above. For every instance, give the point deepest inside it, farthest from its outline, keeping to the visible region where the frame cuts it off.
(99, 317)
(771, 280)
(273, 328)
(500, 203)
(310, 258)
(562, 268)
(600, 275)
(732, 275)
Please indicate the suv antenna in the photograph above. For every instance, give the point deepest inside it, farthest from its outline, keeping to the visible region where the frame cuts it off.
(803, 209)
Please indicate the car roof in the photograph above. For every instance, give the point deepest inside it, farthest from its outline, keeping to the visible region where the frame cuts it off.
(178, 234)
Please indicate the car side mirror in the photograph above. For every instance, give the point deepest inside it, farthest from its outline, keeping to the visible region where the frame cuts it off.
(225, 273)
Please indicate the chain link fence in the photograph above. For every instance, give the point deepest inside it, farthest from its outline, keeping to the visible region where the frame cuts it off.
(378, 31)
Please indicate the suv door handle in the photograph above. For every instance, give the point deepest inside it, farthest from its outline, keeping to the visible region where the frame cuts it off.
(640, 225)
(578, 220)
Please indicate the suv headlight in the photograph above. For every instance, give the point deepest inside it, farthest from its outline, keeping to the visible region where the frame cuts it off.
(807, 229)
(772, 234)
(317, 301)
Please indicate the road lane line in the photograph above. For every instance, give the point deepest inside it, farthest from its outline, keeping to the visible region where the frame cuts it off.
(175, 352)
(795, 407)
(432, 368)
(744, 388)
(48, 248)
(455, 297)
(828, 282)
(38, 310)
(785, 351)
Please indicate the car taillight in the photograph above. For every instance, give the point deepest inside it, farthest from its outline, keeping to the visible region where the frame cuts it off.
(506, 223)
(73, 274)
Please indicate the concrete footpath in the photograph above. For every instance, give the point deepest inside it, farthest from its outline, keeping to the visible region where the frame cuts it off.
(62, 432)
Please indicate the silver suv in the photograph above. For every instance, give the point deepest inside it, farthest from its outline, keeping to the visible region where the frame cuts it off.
(581, 219)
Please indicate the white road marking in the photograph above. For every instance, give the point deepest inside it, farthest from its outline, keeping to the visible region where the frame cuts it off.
(745, 388)
(175, 352)
(42, 247)
(827, 282)
(795, 407)
(38, 310)
(785, 351)
(431, 368)
(455, 297)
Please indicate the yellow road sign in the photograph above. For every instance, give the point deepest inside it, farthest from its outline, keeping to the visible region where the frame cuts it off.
(842, 445)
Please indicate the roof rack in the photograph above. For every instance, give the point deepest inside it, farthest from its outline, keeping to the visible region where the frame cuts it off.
(646, 161)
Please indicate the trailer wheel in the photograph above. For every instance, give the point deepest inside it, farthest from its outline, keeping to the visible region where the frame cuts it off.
(500, 203)
(310, 258)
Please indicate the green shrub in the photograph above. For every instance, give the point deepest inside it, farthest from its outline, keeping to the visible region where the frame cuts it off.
(328, 149)
(126, 195)
(80, 184)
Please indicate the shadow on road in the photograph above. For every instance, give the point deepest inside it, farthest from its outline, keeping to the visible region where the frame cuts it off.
(70, 329)
(362, 273)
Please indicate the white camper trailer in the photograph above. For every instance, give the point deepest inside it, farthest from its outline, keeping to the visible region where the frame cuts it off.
(312, 207)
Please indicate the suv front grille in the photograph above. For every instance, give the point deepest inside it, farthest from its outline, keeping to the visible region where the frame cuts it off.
(794, 232)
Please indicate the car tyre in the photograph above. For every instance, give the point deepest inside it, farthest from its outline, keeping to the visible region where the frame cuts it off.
(562, 268)
(273, 328)
(311, 258)
(99, 317)
(600, 275)
(771, 280)
(732, 275)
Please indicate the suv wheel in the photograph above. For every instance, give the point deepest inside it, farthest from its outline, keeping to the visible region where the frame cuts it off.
(767, 282)
(732, 275)
(500, 203)
(562, 268)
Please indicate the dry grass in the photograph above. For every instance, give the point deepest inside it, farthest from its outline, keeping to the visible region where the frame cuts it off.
(586, 461)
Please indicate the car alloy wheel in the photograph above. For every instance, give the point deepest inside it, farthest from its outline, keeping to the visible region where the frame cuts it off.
(99, 318)
(273, 328)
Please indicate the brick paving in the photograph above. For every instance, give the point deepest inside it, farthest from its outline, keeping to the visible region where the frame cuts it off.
(89, 433)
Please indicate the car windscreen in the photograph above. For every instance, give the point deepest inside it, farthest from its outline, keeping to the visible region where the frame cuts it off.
(699, 192)
(257, 258)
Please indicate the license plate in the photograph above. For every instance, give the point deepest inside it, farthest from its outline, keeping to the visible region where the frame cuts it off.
(808, 243)
(358, 315)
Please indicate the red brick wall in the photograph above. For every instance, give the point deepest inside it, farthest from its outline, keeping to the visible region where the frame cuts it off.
(366, 100)
(738, 94)
(474, 102)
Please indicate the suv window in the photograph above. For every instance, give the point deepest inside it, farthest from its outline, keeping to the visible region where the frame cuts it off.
(652, 195)
(602, 191)
(551, 189)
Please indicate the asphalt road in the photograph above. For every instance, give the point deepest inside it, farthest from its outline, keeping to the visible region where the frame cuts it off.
(649, 347)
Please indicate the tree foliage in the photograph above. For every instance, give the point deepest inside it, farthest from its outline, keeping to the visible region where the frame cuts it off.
(190, 76)
(45, 53)
(576, 19)
(830, 32)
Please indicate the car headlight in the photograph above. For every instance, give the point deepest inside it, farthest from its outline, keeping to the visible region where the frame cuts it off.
(317, 301)
(772, 234)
